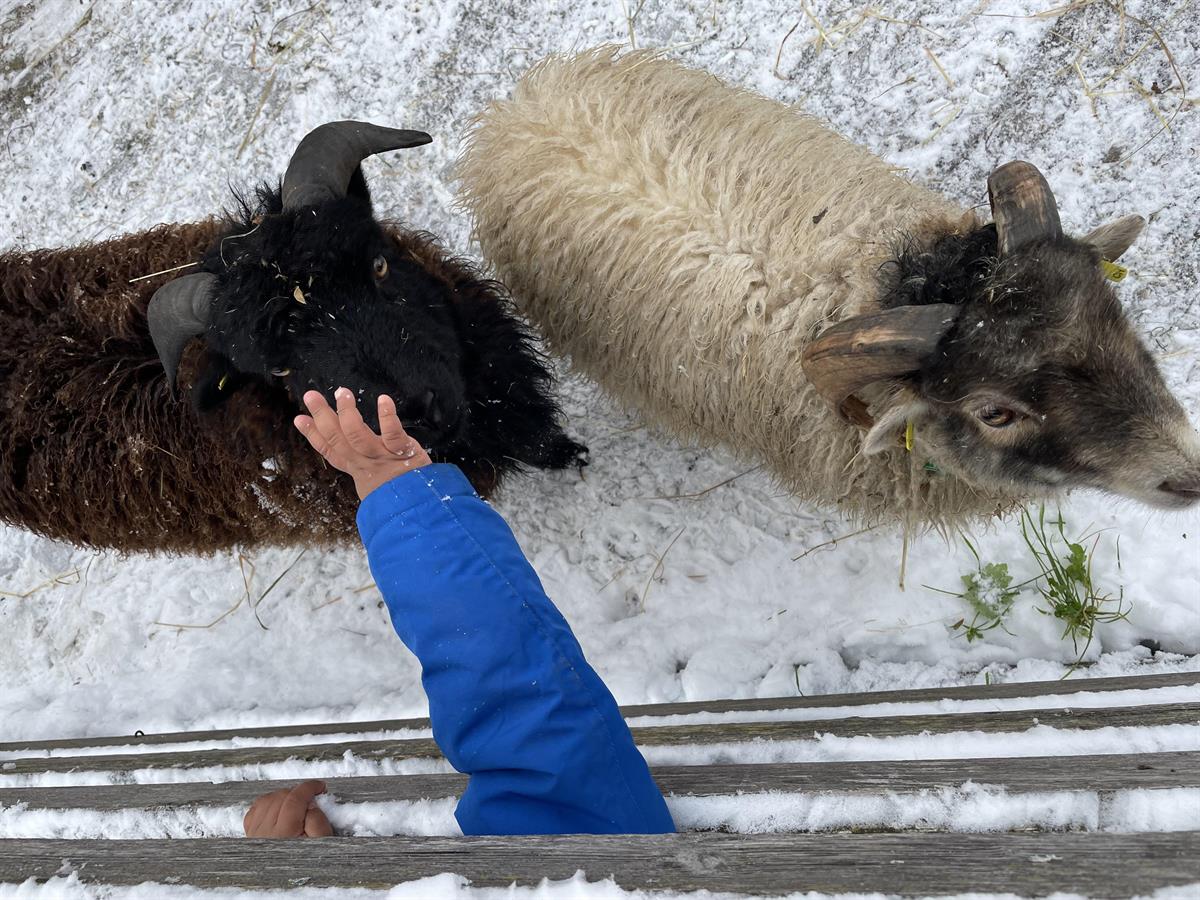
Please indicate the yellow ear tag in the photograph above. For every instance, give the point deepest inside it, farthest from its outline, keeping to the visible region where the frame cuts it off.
(221, 383)
(1112, 271)
(908, 436)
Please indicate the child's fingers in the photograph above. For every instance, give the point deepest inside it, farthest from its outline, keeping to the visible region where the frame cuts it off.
(307, 427)
(262, 814)
(324, 418)
(316, 824)
(254, 816)
(391, 430)
(361, 438)
(332, 454)
(294, 809)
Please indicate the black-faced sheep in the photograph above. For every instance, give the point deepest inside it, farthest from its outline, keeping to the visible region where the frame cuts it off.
(741, 274)
(304, 289)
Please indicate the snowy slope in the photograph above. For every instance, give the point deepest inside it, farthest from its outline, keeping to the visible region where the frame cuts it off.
(115, 116)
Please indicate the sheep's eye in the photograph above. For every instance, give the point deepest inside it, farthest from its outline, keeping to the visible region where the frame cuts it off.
(381, 267)
(996, 416)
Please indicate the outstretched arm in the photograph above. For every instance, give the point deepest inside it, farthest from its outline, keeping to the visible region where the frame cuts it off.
(512, 701)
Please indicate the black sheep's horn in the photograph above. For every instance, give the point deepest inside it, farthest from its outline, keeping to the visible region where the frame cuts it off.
(326, 158)
(178, 312)
(1022, 206)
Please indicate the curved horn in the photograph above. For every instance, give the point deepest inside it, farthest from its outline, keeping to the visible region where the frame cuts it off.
(328, 155)
(865, 349)
(1022, 206)
(178, 312)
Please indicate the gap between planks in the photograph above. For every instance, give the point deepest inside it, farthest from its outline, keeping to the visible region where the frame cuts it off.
(1104, 773)
(663, 735)
(1006, 691)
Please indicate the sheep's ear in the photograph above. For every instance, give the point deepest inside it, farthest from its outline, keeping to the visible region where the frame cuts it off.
(1115, 238)
(888, 431)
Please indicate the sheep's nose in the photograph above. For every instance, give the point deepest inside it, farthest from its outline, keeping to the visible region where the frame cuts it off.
(430, 411)
(433, 410)
(1186, 487)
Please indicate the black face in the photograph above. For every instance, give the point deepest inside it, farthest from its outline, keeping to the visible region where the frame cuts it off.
(318, 295)
(322, 298)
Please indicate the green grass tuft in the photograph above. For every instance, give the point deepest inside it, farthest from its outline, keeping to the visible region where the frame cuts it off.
(1066, 584)
(1064, 581)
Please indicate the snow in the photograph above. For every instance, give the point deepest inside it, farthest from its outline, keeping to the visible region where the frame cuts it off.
(1040, 740)
(346, 766)
(115, 117)
(968, 808)
(1080, 700)
(387, 734)
(730, 614)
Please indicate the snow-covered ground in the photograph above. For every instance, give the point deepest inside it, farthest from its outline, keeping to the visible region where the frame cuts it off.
(682, 568)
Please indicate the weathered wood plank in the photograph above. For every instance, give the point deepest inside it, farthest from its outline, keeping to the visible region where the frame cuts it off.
(1110, 772)
(823, 701)
(1095, 865)
(666, 735)
(1007, 690)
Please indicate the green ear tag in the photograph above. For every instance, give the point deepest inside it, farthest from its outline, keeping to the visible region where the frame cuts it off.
(1112, 271)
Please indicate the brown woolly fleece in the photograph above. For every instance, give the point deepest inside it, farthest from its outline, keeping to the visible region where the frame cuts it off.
(683, 241)
(96, 451)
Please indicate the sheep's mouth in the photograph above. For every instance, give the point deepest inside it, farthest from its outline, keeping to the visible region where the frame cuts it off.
(431, 437)
(1171, 494)
(1176, 493)
(433, 423)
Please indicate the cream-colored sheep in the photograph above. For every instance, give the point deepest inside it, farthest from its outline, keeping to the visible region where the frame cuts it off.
(685, 241)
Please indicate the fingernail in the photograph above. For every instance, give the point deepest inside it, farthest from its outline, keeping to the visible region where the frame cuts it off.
(343, 392)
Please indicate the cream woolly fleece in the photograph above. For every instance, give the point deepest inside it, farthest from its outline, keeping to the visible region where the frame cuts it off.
(683, 240)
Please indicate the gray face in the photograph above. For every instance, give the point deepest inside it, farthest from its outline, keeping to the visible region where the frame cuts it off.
(1045, 386)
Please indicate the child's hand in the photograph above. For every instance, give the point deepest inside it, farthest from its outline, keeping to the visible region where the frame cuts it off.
(350, 446)
(288, 813)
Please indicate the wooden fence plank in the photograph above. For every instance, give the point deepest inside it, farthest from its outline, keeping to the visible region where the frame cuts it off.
(1110, 772)
(666, 735)
(1007, 690)
(1098, 865)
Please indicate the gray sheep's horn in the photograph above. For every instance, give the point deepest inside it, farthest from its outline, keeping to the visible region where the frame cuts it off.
(1022, 206)
(326, 158)
(178, 312)
(869, 348)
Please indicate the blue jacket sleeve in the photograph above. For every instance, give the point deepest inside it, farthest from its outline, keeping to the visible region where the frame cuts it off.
(512, 701)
